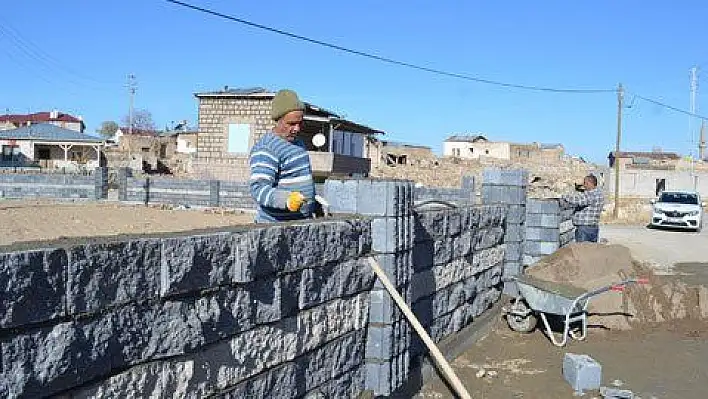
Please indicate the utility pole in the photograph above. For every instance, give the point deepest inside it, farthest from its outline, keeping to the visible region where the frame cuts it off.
(702, 142)
(694, 91)
(620, 104)
(132, 85)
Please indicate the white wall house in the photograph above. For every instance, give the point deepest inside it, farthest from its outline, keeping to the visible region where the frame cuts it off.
(475, 147)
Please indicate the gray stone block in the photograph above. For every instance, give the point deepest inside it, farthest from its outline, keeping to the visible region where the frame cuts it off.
(391, 234)
(430, 225)
(469, 218)
(380, 198)
(492, 216)
(513, 251)
(381, 307)
(34, 286)
(462, 244)
(514, 233)
(454, 222)
(505, 177)
(512, 269)
(489, 238)
(107, 274)
(540, 247)
(214, 190)
(516, 214)
(442, 251)
(378, 377)
(548, 220)
(196, 262)
(503, 195)
(324, 284)
(567, 238)
(547, 206)
(379, 342)
(582, 372)
(542, 234)
(341, 195)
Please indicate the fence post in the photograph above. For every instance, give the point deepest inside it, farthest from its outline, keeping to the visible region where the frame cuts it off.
(123, 174)
(101, 182)
(214, 192)
(509, 187)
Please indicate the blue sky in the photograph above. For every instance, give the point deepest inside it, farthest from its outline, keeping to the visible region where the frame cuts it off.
(74, 56)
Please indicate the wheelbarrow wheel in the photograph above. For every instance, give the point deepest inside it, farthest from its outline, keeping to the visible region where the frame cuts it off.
(521, 318)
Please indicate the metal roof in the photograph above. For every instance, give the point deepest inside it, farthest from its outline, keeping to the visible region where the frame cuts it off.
(47, 132)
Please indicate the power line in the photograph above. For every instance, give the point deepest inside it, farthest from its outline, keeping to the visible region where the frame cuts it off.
(385, 59)
(667, 106)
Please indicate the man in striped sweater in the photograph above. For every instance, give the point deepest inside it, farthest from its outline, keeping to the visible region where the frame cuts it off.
(281, 175)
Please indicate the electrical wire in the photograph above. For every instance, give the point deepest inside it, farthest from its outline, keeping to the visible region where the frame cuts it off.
(385, 59)
(667, 106)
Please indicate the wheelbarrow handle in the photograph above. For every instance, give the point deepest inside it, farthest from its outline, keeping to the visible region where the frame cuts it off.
(617, 287)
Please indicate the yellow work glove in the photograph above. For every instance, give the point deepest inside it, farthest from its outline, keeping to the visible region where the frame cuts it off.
(295, 201)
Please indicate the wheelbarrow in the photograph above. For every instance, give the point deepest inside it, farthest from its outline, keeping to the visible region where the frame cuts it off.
(538, 298)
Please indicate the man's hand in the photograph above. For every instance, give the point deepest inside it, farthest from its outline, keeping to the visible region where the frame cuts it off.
(295, 201)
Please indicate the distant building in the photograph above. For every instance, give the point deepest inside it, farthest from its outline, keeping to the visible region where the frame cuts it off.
(56, 118)
(644, 160)
(386, 152)
(475, 147)
(537, 152)
(49, 146)
(232, 120)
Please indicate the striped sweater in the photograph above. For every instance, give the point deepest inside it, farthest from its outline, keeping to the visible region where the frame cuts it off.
(278, 168)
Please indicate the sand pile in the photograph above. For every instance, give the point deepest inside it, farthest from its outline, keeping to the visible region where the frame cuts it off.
(589, 266)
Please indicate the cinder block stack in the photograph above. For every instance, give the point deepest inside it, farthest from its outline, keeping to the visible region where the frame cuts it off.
(389, 204)
(548, 228)
(509, 187)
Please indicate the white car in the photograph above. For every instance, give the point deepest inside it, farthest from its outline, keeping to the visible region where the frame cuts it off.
(678, 209)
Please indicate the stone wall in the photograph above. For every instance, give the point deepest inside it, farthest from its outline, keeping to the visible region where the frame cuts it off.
(445, 263)
(548, 228)
(277, 311)
(465, 194)
(56, 186)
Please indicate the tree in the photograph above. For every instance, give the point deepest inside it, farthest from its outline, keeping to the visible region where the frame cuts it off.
(108, 129)
(142, 119)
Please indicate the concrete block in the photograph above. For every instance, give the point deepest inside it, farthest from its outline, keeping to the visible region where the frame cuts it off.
(547, 206)
(582, 372)
(34, 286)
(423, 255)
(488, 258)
(454, 219)
(324, 284)
(378, 377)
(488, 238)
(513, 251)
(512, 269)
(442, 251)
(430, 225)
(379, 342)
(469, 219)
(567, 238)
(106, 274)
(462, 244)
(191, 263)
(214, 190)
(566, 213)
(502, 177)
(514, 233)
(516, 214)
(540, 247)
(547, 220)
(614, 393)
(492, 216)
(468, 184)
(341, 195)
(503, 195)
(383, 198)
(381, 307)
(542, 234)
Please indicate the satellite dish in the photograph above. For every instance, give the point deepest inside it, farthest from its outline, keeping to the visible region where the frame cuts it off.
(319, 140)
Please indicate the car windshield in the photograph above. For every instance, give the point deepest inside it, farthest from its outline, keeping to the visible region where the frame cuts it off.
(679, 198)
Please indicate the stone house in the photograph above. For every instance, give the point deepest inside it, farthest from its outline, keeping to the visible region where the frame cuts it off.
(537, 152)
(56, 118)
(644, 160)
(386, 152)
(475, 147)
(232, 120)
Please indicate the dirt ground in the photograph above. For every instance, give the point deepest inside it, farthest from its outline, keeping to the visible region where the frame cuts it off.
(667, 361)
(40, 220)
(651, 339)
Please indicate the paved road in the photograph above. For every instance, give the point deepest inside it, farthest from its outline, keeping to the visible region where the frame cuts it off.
(663, 247)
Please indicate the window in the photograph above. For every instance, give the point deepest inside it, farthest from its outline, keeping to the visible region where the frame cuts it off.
(43, 153)
(10, 153)
(238, 138)
(486, 152)
(163, 150)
